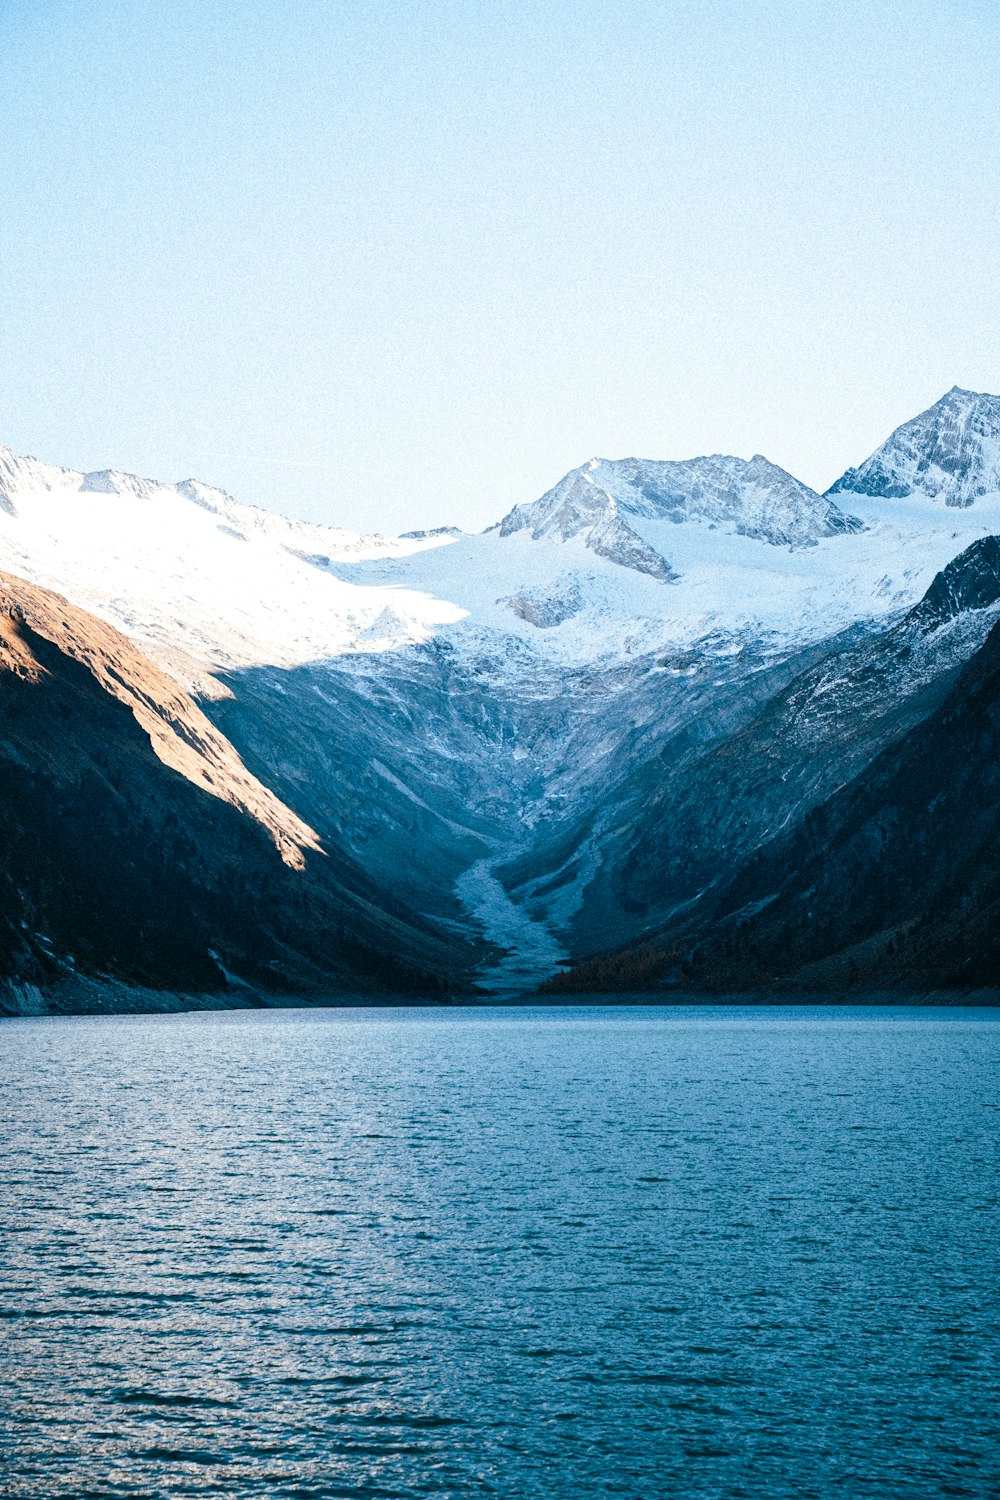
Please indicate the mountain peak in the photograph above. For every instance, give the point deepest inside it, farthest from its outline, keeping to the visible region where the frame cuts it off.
(115, 482)
(950, 452)
(604, 498)
(580, 507)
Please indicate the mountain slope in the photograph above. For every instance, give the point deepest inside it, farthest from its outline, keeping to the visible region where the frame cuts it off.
(179, 733)
(545, 737)
(894, 882)
(890, 879)
(136, 848)
(949, 453)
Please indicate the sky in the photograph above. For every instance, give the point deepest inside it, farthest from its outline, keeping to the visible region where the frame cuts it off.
(392, 265)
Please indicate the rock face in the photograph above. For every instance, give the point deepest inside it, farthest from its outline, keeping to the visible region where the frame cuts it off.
(136, 849)
(950, 453)
(970, 582)
(561, 736)
(889, 881)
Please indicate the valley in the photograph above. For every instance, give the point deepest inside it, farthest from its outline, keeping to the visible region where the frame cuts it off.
(491, 755)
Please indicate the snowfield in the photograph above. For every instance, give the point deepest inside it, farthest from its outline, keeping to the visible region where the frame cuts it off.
(450, 702)
(206, 583)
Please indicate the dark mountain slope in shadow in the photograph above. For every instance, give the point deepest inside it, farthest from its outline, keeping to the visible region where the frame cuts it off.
(115, 864)
(891, 882)
(688, 818)
(895, 881)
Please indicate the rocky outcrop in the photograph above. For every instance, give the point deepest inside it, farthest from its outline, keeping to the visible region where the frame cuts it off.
(549, 605)
(950, 453)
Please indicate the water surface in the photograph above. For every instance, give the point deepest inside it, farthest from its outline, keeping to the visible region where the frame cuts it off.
(644, 1252)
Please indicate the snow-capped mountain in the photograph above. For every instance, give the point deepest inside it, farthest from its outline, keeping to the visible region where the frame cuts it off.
(603, 500)
(950, 453)
(201, 580)
(620, 559)
(487, 723)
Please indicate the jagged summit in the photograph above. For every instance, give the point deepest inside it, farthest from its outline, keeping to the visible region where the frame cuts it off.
(578, 506)
(603, 499)
(950, 452)
(114, 482)
(747, 497)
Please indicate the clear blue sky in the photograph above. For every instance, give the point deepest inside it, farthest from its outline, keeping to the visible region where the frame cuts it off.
(393, 264)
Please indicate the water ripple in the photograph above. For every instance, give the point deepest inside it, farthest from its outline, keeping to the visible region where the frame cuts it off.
(540, 1255)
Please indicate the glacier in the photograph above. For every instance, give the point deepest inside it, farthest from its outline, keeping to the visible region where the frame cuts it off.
(490, 721)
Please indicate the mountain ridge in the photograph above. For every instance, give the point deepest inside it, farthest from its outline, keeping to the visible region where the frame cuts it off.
(545, 736)
(742, 930)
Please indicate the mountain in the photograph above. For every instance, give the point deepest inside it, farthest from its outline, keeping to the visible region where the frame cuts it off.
(889, 880)
(950, 453)
(544, 741)
(754, 499)
(894, 882)
(179, 733)
(140, 858)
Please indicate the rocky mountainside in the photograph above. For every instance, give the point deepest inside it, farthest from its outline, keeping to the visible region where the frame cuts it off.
(950, 453)
(893, 882)
(879, 879)
(136, 850)
(553, 737)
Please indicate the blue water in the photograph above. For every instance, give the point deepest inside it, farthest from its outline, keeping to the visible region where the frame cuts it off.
(648, 1252)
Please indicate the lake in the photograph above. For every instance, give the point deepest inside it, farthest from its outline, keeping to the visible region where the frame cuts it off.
(648, 1252)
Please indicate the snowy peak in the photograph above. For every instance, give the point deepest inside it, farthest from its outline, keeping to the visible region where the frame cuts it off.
(19, 475)
(114, 482)
(950, 452)
(580, 507)
(604, 499)
(219, 502)
(753, 498)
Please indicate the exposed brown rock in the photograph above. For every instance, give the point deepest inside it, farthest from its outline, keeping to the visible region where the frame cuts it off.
(180, 734)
